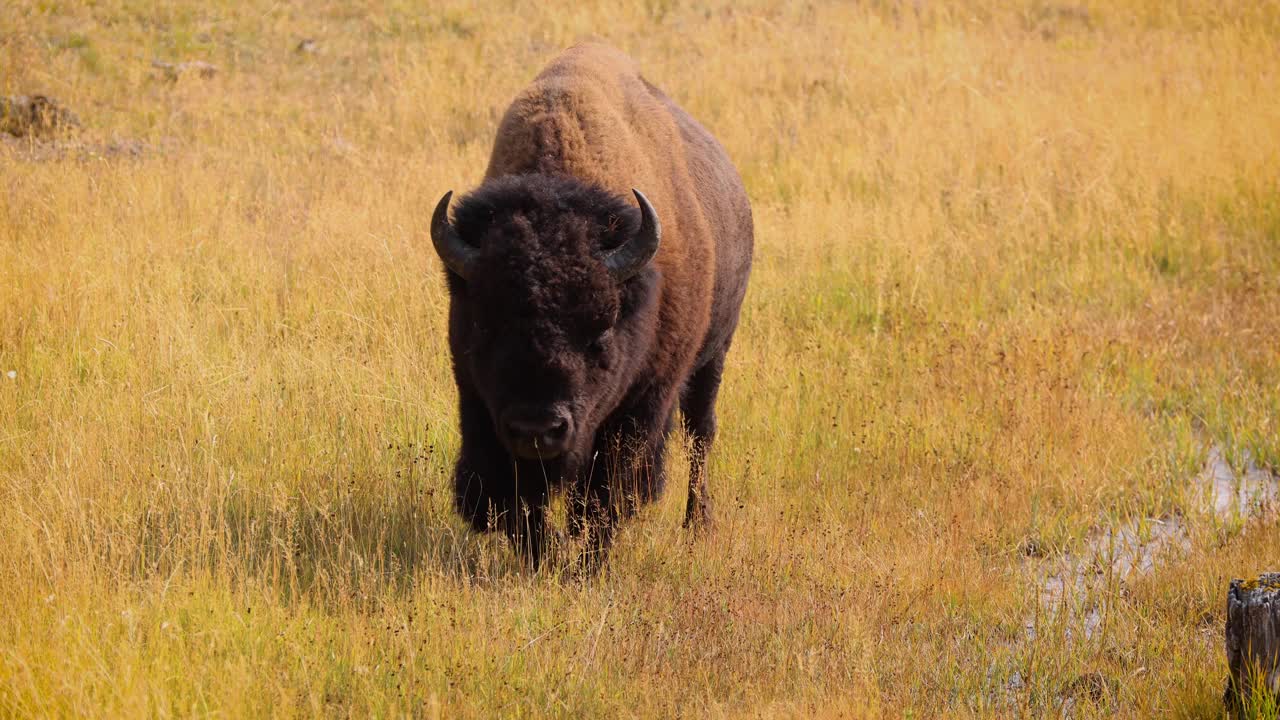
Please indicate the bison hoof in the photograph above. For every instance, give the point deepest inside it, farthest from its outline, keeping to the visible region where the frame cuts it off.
(698, 518)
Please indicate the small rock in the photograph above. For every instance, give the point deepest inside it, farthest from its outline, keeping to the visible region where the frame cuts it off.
(173, 71)
(308, 46)
(340, 145)
(1032, 547)
(1090, 685)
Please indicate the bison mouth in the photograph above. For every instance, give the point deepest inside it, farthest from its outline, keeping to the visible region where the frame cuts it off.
(531, 451)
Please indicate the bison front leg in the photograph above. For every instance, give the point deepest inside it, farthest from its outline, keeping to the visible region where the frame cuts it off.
(525, 524)
(492, 491)
(626, 472)
(491, 501)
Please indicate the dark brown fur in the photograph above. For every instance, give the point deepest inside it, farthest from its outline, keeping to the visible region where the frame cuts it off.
(541, 323)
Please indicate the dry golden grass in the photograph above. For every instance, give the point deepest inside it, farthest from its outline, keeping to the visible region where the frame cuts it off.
(1017, 265)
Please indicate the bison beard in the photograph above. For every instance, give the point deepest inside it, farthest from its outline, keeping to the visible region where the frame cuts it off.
(595, 279)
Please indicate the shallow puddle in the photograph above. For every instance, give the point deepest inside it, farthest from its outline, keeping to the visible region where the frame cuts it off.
(1246, 495)
(1136, 547)
(1070, 586)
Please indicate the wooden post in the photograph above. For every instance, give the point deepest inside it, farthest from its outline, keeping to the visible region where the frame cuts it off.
(1253, 639)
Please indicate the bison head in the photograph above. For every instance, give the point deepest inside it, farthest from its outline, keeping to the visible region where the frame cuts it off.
(552, 304)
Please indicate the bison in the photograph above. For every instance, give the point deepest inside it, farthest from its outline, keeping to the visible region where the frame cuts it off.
(577, 320)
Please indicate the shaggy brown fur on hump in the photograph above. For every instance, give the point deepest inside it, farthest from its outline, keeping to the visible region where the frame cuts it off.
(590, 115)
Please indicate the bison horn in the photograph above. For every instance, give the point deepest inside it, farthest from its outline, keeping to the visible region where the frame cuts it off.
(630, 257)
(457, 255)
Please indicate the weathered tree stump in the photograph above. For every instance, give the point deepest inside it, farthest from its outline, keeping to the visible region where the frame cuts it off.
(27, 115)
(1253, 639)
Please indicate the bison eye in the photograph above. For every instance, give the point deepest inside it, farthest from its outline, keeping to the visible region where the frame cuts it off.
(601, 342)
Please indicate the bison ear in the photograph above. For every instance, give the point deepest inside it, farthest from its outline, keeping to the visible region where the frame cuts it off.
(457, 255)
(631, 256)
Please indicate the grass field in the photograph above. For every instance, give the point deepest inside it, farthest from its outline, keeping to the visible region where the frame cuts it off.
(1017, 270)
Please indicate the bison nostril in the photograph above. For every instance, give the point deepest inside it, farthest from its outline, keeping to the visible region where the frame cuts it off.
(544, 430)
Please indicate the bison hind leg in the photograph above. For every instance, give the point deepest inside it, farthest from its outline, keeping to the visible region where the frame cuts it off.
(698, 408)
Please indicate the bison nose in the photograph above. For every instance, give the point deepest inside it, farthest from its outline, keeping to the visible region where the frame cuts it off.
(537, 433)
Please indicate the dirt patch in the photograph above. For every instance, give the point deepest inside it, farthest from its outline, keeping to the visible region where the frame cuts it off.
(38, 151)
